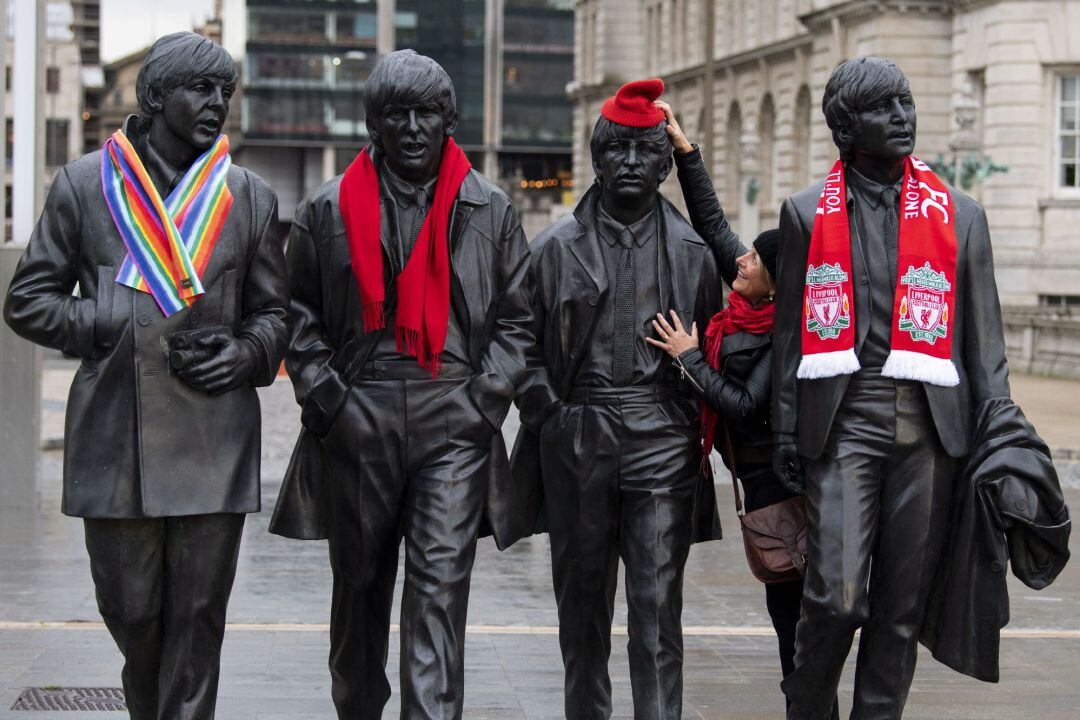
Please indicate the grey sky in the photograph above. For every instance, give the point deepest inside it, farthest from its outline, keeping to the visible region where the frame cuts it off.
(127, 25)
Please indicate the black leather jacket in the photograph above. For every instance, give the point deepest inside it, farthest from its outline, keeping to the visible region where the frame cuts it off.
(739, 392)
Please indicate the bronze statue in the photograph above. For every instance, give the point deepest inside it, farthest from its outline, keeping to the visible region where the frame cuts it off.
(409, 280)
(607, 425)
(888, 335)
(182, 313)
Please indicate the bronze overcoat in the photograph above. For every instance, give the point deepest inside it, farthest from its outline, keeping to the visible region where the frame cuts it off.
(138, 441)
(489, 291)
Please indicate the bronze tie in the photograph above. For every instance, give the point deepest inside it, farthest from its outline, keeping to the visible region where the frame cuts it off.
(625, 312)
(890, 197)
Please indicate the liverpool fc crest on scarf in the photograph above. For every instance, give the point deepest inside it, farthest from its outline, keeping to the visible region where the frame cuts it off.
(924, 310)
(828, 310)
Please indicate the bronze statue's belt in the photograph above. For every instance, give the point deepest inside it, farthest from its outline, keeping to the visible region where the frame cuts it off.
(628, 394)
(408, 369)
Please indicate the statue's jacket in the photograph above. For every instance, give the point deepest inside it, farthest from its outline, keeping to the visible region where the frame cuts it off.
(1008, 513)
(138, 441)
(489, 291)
(570, 282)
(807, 407)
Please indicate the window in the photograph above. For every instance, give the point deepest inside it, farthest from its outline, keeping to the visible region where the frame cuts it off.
(52, 80)
(56, 142)
(1060, 301)
(406, 26)
(356, 28)
(1068, 132)
(9, 134)
(287, 27)
(287, 68)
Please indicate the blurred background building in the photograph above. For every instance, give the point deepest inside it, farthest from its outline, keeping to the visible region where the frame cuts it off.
(996, 82)
(305, 64)
(70, 61)
(996, 85)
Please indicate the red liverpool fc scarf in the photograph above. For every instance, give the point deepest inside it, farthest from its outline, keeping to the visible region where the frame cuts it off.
(423, 287)
(739, 316)
(921, 343)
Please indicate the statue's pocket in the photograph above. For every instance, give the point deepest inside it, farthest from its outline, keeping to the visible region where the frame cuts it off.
(109, 310)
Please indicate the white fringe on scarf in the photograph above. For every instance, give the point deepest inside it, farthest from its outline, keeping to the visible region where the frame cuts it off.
(908, 365)
(828, 364)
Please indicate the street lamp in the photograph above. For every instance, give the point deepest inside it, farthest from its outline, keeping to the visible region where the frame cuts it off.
(967, 166)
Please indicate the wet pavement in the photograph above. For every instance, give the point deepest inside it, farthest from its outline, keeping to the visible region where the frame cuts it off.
(274, 658)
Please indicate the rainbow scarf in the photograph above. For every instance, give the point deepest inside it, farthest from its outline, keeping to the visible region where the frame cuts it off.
(169, 242)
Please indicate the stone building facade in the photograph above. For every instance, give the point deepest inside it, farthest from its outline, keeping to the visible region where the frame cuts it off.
(996, 78)
(61, 97)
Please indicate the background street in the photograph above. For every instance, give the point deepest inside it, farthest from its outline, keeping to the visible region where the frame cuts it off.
(274, 659)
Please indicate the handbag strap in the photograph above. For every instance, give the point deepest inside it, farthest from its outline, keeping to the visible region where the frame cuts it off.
(734, 473)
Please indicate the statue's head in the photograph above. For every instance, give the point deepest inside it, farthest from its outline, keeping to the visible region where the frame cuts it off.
(631, 150)
(186, 82)
(410, 108)
(869, 109)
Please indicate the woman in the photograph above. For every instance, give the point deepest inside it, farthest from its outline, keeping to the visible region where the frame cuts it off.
(732, 376)
(733, 373)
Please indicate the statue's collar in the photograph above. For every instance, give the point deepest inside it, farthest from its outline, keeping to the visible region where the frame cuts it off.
(163, 174)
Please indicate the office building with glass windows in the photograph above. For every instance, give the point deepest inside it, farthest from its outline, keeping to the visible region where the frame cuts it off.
(304, 66)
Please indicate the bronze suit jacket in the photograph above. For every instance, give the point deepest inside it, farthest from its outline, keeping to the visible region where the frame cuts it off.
(570, 282)
(138, 441)
(489, 290)
(807, 407)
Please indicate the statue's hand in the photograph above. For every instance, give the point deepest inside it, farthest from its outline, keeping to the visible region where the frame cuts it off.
(227, 369)
(788, 466)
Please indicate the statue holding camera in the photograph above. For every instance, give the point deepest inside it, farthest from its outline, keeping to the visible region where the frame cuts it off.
(181, 313)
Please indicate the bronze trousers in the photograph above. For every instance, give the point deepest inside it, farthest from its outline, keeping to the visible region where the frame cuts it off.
(162, 587)
(405, 460)
(878, 501)
(620, 468)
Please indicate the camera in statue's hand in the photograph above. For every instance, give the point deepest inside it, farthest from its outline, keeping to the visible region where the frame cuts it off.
(189, 347)
(211, 359)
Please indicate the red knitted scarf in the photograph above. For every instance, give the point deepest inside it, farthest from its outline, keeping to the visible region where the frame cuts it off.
(739, 316)
(423, 287)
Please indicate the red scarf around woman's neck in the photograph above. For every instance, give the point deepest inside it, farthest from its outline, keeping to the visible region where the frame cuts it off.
(423, 287)
(739, 316)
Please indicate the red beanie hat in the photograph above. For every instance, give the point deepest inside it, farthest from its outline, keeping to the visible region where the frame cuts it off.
(633, 105)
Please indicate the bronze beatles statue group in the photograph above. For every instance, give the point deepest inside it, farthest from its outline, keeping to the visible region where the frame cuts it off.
(411, 312)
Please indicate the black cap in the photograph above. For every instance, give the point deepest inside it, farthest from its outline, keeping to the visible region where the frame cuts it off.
(767, 245)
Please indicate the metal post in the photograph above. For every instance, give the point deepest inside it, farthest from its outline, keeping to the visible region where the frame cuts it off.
(28, 160)
(20, 405)
(385, 41)
(493, 82)
(20, 361)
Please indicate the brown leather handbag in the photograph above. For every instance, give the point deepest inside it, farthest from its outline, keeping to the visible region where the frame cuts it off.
(775, 536)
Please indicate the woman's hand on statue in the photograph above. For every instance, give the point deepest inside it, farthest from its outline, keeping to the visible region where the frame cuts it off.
(678, 139)
(673, 337)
